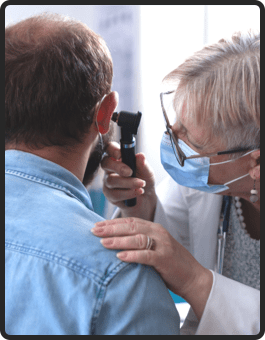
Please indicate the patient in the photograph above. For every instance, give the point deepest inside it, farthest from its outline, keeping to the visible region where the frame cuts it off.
(59, 279)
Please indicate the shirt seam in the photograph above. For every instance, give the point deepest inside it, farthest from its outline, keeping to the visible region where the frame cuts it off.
(102, 293)
(42, 181)
(70, 264)
(97, 308)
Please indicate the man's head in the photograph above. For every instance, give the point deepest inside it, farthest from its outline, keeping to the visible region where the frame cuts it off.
(56, 72)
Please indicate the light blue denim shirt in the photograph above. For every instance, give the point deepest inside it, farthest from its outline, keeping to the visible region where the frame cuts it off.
(60, 280)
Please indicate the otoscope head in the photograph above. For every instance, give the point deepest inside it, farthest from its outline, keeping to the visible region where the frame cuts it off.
(127, 120)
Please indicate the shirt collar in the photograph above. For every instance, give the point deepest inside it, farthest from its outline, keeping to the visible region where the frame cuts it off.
(49, 173)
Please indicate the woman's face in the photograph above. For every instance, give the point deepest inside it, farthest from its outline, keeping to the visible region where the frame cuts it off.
(197, 137)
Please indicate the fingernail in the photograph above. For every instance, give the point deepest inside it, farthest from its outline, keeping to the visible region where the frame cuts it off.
(139, 183)
(97, 230)
(139, 191)
(100, 223)
(106, 242)
(142, 183)
(122, 256)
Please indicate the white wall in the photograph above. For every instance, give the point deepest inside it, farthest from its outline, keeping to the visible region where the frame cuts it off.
(169, 34)
(224, 20)
(84, 13)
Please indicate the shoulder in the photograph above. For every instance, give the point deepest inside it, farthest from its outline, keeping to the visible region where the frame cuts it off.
(56, 227)
(140, 304)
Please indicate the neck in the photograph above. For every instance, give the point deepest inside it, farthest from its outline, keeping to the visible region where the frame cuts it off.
(73, 159)
(242, 189)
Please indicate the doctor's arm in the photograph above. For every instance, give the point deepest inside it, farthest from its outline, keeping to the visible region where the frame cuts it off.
(231, 309)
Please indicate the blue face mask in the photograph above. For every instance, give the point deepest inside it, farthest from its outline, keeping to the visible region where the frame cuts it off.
(195, 172)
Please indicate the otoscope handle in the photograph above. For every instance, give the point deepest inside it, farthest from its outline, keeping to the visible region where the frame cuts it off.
(128, 158)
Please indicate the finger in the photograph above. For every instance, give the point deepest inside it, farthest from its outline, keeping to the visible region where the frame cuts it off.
(110, 164)
(114, 181)
(113, 150)
(138, 241)
(143, 169)
(119, 195)
(122, 227)
(147, 257)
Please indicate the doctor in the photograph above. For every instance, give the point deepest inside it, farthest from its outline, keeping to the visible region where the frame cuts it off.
(210, 150)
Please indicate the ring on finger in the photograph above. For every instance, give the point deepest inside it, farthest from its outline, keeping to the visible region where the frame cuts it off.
(150, 243)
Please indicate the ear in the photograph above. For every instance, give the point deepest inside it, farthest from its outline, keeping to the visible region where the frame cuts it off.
(254, 171)
(105, 111)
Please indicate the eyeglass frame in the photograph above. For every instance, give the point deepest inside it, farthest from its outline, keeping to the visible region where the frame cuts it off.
(181, 156)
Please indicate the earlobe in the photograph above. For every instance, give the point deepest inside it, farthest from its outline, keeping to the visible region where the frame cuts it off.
(105, 111)
(254, 172)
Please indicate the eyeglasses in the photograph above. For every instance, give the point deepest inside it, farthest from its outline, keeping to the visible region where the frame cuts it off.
(180, 156)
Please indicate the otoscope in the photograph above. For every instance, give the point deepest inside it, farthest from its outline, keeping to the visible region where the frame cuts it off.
(129, 123)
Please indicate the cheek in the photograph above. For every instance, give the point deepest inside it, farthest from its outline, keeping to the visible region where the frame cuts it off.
(219, 174)
(214, 176)
(181, 134)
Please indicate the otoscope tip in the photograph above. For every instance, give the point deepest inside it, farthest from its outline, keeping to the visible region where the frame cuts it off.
(114, 116)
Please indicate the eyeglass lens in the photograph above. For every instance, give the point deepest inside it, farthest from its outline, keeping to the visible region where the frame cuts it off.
(176, 152)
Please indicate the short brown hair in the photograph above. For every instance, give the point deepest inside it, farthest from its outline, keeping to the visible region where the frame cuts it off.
(56, 71)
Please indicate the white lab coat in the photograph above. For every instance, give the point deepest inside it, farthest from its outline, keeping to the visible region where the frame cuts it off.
(192, 217)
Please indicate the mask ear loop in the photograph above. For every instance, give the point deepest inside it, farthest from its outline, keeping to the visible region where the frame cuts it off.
(233, 160)
(237, 179)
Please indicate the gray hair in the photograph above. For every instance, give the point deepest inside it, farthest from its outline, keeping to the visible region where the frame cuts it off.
(219, 87)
